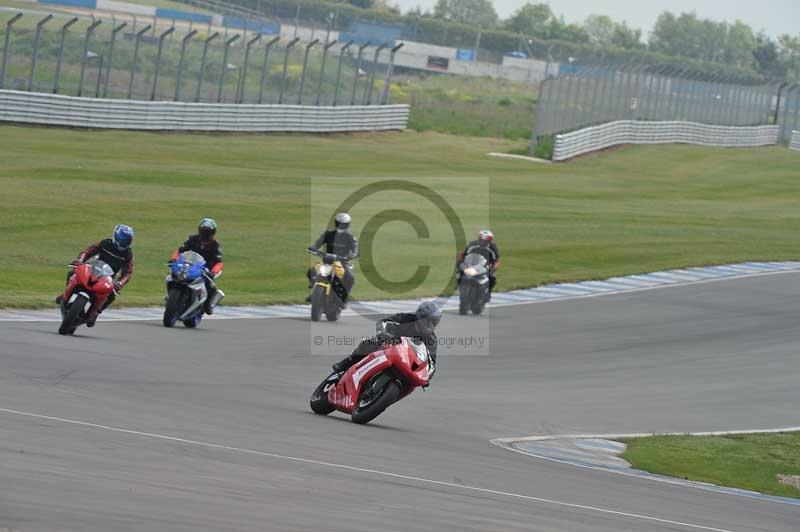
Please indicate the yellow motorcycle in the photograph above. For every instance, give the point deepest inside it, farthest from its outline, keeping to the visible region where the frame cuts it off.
(327, 288)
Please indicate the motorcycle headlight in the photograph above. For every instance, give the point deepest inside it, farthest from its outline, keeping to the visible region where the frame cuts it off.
(325, 269)
(421, 350)
(470, 271)
(180, 273)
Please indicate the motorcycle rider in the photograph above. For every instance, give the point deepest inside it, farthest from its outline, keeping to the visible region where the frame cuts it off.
(206, 245)
(117, 253)
(341, 242)
(486, 247)
(420, 325)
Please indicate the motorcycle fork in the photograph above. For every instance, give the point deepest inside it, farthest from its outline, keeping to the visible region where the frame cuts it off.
(326, 284)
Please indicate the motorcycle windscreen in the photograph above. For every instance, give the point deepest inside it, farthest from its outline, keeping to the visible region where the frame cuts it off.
(189, 266)
(474, 264)
(100, 269)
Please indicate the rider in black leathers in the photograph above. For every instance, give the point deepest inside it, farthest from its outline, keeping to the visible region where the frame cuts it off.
(341, 242)
(420, 325)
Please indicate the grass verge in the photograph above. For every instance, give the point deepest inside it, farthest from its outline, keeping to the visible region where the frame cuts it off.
(747, 461)
(633, 210)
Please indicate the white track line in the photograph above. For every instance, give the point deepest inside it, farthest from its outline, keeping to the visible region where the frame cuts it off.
(368, 471)
(507, 443)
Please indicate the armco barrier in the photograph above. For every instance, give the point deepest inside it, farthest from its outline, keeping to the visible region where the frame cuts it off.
(595, 138)
(51, 109)
(795, 144)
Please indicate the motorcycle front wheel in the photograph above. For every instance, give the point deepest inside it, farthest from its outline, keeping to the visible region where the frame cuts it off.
(464, 299)
(372, 403)
(317, 302)
(72, 316)
(173, 308)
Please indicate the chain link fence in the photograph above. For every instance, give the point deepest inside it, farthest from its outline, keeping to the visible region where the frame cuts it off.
(129, 58)
(595, 95)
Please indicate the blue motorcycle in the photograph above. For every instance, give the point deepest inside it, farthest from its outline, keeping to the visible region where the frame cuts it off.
(186, 290)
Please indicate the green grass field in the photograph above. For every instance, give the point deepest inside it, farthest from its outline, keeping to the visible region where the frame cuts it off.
(628, 211)
(460, 105)
(750, 461)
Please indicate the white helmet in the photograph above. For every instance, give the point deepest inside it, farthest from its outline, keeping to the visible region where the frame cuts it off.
(342, 220)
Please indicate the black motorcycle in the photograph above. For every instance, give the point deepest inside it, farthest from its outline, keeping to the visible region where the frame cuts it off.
(473, 286)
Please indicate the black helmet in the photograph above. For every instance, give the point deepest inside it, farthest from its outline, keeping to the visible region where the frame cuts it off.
(428, 317)
(207, 229)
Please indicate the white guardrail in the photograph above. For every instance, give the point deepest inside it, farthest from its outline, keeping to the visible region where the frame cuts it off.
(58, 110)
(795, 143)
(603, 136)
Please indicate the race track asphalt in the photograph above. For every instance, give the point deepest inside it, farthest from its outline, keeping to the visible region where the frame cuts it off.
(210, 429)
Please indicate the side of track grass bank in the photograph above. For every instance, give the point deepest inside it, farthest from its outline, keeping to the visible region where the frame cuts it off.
(747, 461)
(633, 210)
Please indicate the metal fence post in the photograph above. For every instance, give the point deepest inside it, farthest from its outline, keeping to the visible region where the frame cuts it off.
(163, 36)
(342, 50)
(305, 68)
(286, 66)
(135, 56)
(179, 77)
(781, 86)
(243, 76)
(84, 58)
(9, 27)
(539, 123)
(99, 76)
(114, 32)
(203, 64)
(387, 82)
(221, 87)
(64, 29)
(265, 69)
(322, 68)
(371, 85)
(357, 72)
(36, 40)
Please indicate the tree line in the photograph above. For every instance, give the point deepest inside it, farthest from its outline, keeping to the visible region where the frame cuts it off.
(683, 40)
(682, 35)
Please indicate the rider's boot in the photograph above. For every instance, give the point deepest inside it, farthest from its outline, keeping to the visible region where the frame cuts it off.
(347, 362)
(213, 300)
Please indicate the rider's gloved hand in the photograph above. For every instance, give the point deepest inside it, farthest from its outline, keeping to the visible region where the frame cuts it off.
(118, 286)
(76, 262)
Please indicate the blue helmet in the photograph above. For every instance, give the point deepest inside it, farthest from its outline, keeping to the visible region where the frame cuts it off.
(428, 317)
(123, 236)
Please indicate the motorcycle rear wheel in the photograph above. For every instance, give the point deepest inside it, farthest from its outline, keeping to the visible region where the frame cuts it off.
(192, 322)
(172, 309)
(72, 316)
(319, 399)
(478, 303)
(332, 308)
(364, 413)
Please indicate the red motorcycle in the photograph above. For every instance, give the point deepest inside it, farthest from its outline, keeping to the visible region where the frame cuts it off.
(376, 381)
(89, 286)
